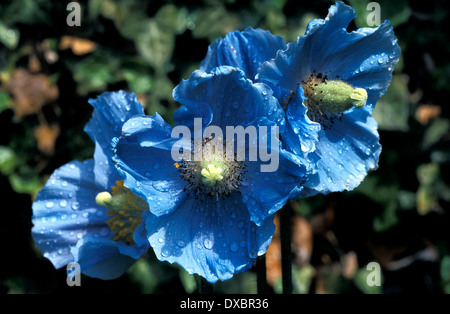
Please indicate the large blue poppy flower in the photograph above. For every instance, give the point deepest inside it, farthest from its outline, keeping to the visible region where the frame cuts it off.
(211, 215)
(348, 145)
(72, 216)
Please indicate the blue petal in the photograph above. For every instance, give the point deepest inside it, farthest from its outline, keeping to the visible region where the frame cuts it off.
(265, 193)
(245, 50)
(101, 260)
(65, 211)
(224, 97)
(364, 58)
(65, 214)
(344, 154)
(143, 157)
(111, 110)
(301, 134)
(213, 239)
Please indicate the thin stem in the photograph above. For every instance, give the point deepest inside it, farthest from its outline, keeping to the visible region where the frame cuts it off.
(261, 275)
(286, 253)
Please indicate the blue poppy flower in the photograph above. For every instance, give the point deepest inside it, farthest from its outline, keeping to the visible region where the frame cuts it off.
(83, 213)
(332, 79)
(211, 215)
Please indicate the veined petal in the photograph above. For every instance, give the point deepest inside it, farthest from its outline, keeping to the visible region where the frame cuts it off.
(101, 260)
(213, 239)
(302, 134)
(65, 211)
(111, 110)
(143, 157)
(265, 193)
(245, 50)
(226, 98)
(345, 153)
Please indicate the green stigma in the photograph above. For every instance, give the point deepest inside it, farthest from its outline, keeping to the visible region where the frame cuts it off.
(335, 96)
(211, 173)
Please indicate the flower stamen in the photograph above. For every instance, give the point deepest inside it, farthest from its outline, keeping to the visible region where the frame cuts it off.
(126, 209)
(214, 175)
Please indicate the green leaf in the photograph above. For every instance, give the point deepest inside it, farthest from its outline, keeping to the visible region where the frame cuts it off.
(397, 12)
(9, 36)
(392, 110)
(8, 160)
(188, 281)
(4, 101)
(214, 22)
(361, 282)
(141, 273)
(96, 71)
(25, 184)
(302, 278)
(435, 132)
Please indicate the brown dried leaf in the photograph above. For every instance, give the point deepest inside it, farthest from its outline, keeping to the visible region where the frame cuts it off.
(273, 255)
(79, 46)
(46, 136)
(30, 92)
(302, 239)
(425, 113)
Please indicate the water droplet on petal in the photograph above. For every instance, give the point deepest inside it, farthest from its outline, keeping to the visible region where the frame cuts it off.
(165, 252)
(208, 244)
(234, 246)
(181, 243)
(49, 204)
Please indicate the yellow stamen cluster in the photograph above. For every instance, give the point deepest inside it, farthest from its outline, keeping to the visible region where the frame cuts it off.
(125, 209)
(211, 175)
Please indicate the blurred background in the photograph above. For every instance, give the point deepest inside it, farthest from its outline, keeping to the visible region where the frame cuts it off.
(399, 216)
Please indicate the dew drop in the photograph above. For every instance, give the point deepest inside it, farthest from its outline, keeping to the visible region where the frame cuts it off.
(234, 246)
(49, 204)
(208, 244)
(181, 243)
(75, 205)
(165, 252)
(156, 165)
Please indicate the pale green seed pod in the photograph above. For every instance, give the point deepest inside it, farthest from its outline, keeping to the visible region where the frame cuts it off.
(337, 96)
